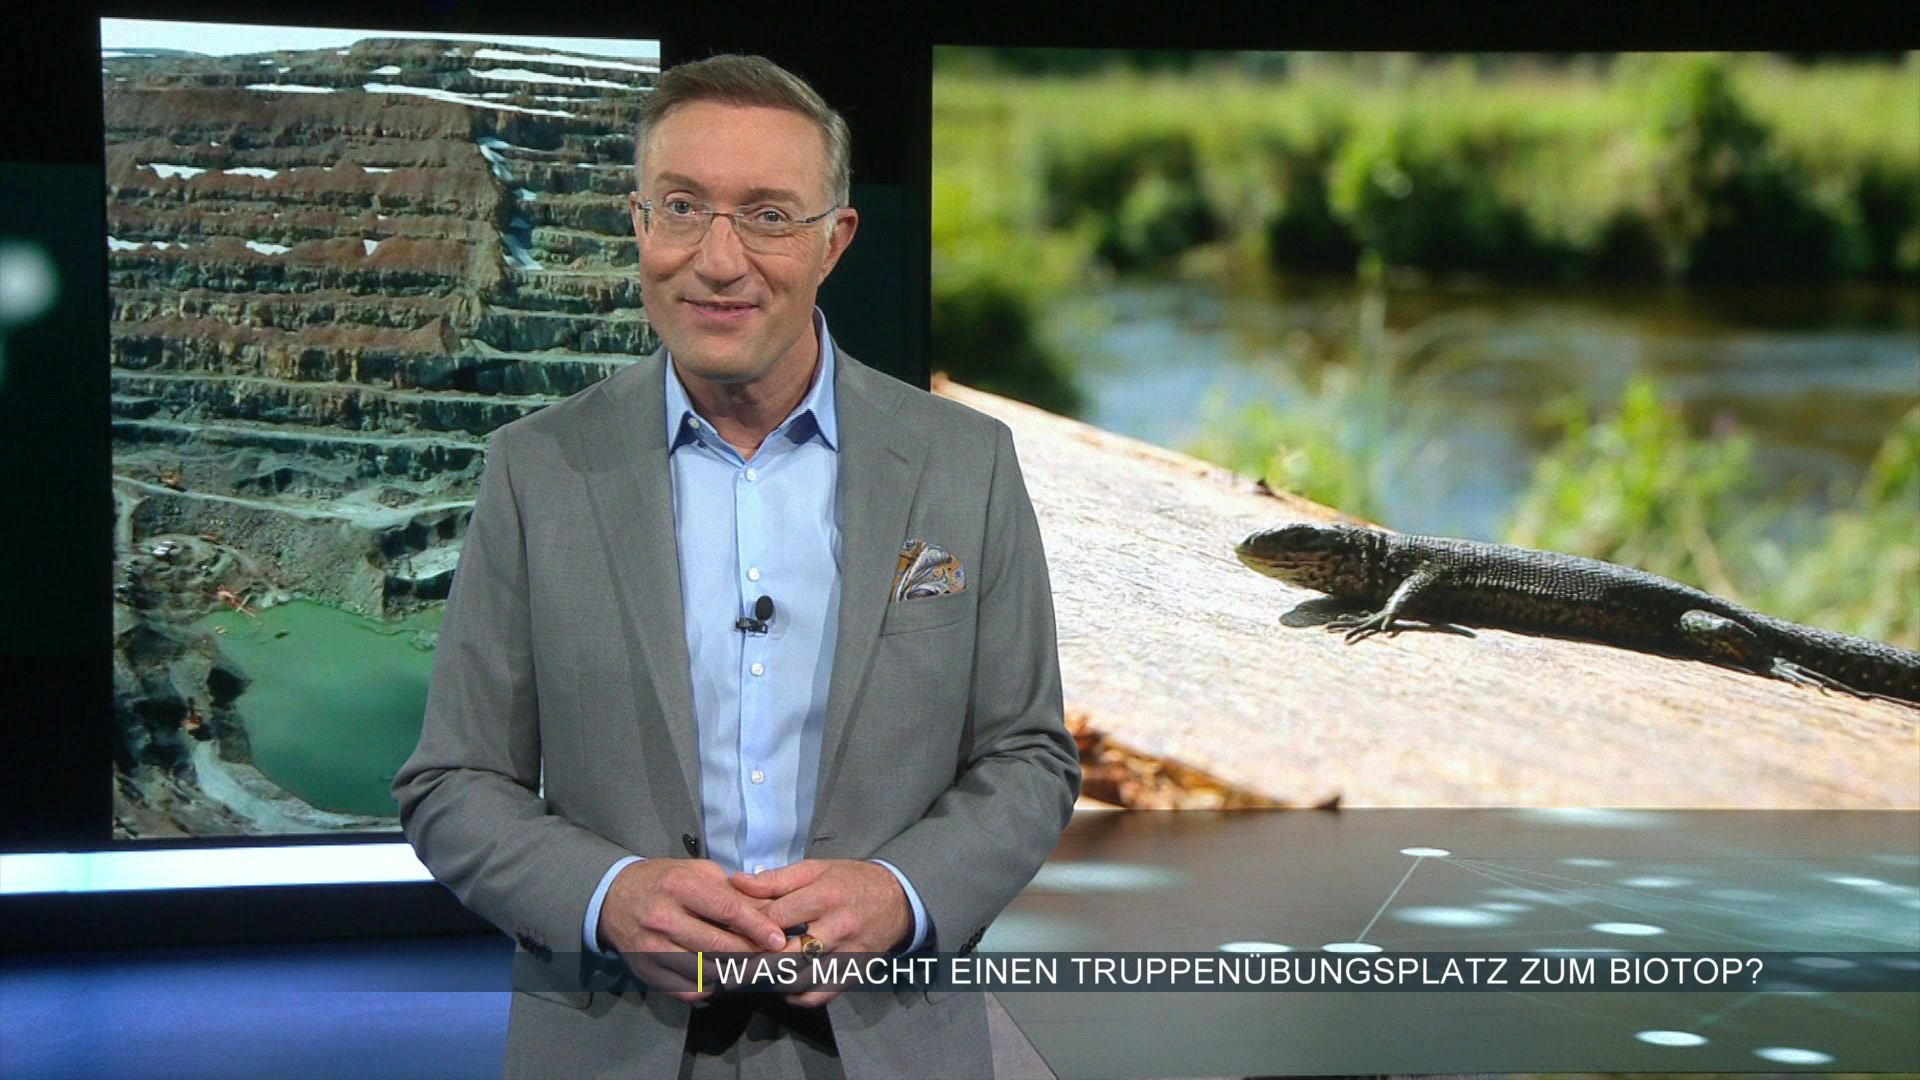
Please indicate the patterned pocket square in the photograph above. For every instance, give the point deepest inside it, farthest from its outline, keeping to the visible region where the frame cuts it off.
(926, 570)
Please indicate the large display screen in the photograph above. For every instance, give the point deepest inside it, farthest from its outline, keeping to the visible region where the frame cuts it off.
(1658, 309)
(337, 260)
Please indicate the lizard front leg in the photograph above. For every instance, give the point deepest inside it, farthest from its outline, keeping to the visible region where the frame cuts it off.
(1361, 627)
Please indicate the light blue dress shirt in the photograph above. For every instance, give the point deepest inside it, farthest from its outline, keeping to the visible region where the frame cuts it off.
(768, 526)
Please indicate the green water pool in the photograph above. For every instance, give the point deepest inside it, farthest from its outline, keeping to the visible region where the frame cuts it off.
(335, 699)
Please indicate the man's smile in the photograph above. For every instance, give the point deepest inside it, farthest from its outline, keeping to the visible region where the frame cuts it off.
(724, 311)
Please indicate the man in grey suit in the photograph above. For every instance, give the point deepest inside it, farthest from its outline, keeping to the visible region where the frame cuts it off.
(751, 648)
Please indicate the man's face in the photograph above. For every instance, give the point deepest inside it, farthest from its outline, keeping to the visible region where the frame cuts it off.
(728, 314)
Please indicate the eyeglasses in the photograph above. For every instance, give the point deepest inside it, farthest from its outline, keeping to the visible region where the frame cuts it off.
(683, 221)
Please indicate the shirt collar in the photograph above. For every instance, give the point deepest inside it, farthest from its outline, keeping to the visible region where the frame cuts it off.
(816, 413)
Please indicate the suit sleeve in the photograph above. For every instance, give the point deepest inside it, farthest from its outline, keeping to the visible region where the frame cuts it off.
(983, 840)
(469, 796)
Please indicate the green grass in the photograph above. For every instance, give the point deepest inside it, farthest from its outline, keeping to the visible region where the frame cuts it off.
(1862, 573)
(1635, 487)
(1440, 166)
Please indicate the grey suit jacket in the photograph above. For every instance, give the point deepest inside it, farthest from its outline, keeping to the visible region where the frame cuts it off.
(562, 660)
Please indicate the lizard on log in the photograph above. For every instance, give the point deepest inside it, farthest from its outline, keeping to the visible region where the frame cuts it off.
(1437, 581)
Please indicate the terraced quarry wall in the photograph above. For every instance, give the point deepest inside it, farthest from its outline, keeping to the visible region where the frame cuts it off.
(332, 273)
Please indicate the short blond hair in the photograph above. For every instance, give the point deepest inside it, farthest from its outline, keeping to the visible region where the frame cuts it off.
(735, 79)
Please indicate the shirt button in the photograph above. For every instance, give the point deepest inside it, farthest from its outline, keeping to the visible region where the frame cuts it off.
(753, 474)
(759, 868)
(753, 573)
(758, 669)
(758, 777)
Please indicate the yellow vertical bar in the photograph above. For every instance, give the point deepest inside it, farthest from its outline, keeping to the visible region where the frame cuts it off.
(700, 972)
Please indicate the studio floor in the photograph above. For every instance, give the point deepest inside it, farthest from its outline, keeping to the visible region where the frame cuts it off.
(288, 1011)
(1837, 891)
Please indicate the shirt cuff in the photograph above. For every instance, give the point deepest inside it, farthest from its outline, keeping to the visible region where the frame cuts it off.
(920, 927)
(590, 932)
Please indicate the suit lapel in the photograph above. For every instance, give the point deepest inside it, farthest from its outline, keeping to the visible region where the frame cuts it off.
(880, 463)
(632, 500)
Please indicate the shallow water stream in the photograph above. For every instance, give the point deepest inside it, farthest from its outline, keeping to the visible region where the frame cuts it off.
(1819, 377)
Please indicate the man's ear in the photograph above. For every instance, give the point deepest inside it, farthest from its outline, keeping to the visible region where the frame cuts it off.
(639, 225)
(844, 226)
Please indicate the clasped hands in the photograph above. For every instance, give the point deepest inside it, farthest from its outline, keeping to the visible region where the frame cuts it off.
(660, 907)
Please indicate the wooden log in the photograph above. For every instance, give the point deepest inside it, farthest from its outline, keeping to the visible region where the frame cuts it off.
(1172, 647)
